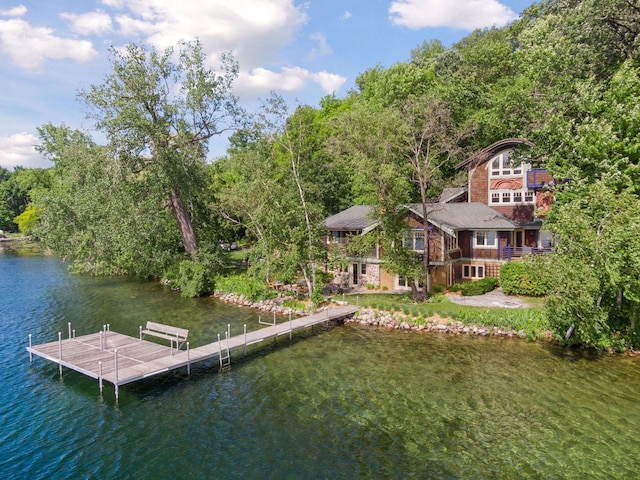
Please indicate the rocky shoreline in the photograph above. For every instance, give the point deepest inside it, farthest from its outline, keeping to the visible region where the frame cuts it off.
(378, 318)
(399, 321)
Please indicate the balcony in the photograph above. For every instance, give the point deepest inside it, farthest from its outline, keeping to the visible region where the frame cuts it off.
(538, 178)
(512, 253)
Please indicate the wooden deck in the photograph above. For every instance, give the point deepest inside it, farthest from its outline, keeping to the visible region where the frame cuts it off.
(120, 359)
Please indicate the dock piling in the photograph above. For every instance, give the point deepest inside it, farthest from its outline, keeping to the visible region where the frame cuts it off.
(100, 376)
(188, 360)
(69, 326)
(60, 351)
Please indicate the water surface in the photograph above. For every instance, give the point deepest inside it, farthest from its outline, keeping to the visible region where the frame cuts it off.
(350, 402)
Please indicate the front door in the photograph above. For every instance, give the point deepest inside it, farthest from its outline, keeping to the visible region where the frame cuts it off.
(355, 273)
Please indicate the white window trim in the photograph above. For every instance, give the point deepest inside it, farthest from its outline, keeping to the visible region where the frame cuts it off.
(504, 157)
(522, 192)
(413, 232)
(475, 239)
(471, 267)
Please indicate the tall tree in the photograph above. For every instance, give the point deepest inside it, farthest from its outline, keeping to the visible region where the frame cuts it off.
(432, 142)
(159, 110)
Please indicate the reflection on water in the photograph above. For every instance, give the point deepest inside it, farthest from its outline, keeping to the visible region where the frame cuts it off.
(350, 402)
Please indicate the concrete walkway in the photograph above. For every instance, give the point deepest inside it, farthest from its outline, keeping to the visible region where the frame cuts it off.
(492, 299)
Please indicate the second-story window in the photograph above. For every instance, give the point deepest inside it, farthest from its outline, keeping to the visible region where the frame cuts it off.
(414, 240)
(501, 166)
(485, 239)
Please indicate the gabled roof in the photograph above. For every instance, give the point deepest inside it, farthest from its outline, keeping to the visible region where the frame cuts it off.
(451, 217)
(488, 152)
(450, 194)
(357, 218)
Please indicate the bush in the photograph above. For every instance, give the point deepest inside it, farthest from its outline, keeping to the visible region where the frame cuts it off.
(249, 287)
(479, 287)
(438, 288)
(192, 279)
(525, 278)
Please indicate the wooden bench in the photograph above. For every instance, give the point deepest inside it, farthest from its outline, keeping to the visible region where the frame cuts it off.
(173, 334)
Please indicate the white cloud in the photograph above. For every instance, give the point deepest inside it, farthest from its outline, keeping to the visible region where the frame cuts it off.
(330, 82)
(465, 14)
(19, 151)
(256, 30)
(93, 23)
(18, 11)
(29, 46)
(322, 48)
(291, 79)
(346, 15)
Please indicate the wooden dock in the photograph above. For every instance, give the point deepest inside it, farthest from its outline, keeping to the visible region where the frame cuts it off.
(120, 359)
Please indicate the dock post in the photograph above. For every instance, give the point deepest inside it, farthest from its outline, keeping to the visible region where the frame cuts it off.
(116, 362)
(108, 327)
(100, 376)
(290, 329)
(69, 326)
(188, 360)
(228, 332)
(60, 351)
(140, 332)
(220, 351)
(74, 333)
(245, 339)
(31, 354)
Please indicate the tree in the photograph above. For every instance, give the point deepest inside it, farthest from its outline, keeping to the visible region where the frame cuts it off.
(595, 297)
(276, 194)
(432, 141)
(158, 111)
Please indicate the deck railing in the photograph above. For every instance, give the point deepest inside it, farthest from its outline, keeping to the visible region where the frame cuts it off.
(508, 253)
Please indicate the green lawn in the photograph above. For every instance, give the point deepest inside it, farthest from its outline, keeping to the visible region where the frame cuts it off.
(531, 321)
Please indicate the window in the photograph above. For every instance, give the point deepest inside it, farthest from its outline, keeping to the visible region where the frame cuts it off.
(485, 238)
(414, 240)
(472, 271)
(501, 166)
(363, 269)
(512, 196)
(451, 242)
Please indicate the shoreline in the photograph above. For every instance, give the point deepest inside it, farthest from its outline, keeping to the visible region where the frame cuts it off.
(384, 319)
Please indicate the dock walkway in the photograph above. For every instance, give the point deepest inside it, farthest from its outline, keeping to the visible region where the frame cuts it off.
(120, 359)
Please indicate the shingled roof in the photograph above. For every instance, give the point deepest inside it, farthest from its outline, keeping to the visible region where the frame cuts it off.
(354, 219)
(464, 216)
(450, 217)
(488, 152)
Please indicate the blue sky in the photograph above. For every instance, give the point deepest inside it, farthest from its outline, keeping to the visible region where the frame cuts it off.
(303, 50)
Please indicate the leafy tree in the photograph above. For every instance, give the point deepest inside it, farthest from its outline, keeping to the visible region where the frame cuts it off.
(596, 276)
(158, 110)
(97, 215)
(432, 142)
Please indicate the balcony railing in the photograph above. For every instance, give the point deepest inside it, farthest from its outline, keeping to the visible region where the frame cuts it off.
(508, 253)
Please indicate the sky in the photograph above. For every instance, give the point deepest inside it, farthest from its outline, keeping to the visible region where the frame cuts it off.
(302, 50)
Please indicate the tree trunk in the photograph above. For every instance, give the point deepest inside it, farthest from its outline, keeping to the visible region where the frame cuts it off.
(184, 223)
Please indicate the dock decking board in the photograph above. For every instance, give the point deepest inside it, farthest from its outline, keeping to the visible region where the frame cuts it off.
(138, 359)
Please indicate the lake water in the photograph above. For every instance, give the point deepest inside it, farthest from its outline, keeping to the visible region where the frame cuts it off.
(350, 402)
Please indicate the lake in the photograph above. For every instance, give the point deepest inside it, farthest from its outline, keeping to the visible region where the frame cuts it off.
(345, 402)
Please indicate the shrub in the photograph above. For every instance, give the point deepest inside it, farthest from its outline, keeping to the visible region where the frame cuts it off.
(438, 288)
(479, 287)
(249, 287)
(192, 279)
(525, 278)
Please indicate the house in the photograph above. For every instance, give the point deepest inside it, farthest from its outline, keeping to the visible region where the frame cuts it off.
(470, 232)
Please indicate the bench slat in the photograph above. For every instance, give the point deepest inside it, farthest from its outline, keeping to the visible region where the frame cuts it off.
(167, 329)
